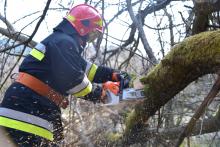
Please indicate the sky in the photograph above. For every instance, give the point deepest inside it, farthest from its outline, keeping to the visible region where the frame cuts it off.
(15, 10)
(25, 7)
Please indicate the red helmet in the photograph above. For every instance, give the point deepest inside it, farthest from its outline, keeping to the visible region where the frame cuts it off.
(85, 19)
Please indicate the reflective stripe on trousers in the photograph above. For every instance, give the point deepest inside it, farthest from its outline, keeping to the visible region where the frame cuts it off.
(26, 122)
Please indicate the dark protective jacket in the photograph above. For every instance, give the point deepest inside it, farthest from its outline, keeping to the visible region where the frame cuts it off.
(56, 61)
(63, 67)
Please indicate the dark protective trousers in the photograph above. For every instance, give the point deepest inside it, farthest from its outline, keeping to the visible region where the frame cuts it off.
(21, 98)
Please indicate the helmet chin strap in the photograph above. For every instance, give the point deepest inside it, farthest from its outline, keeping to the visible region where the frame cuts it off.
(83, 40)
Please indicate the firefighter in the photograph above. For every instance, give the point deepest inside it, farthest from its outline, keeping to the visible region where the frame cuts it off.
(30, 111)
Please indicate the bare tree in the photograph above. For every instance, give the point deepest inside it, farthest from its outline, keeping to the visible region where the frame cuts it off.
(130, 47)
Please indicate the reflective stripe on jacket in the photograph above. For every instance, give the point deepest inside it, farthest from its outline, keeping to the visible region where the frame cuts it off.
(57, 61)
(82, 88)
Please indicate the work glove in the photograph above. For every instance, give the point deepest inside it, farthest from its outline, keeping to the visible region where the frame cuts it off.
(95, 95)
(121, 76)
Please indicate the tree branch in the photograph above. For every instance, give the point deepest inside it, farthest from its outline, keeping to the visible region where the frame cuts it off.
(27, 41)
(139, 25)
(194, 57)
(213, 92)
(201, 127)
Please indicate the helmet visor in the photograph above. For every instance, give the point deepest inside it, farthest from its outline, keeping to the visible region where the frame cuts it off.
(93, 35)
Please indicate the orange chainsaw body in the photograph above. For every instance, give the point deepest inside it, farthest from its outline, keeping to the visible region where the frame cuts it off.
(111, 86)
(112, 94)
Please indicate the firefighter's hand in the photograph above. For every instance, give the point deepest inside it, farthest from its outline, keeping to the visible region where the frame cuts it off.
(96, 95)
(122, 76)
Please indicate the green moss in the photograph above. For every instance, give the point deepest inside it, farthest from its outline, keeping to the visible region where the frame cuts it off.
(135, 117)
(130, 120)
(113, 137)
(194, 57)
(194, 52)
(217, 115)
(133, 78)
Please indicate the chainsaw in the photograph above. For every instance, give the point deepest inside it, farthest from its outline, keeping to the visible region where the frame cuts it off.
(115, 93)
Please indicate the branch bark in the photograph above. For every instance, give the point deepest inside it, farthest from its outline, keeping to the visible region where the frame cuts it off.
(194, 57)
(202, 127)
(214, 91)
(16, 36)
(139, 25)
(202, 11)
(28, 40)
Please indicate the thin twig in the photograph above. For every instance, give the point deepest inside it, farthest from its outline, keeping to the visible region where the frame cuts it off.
(138, 24)
(28, 40)
(208, 99)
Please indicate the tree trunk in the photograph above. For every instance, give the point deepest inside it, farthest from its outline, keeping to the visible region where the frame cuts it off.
(194, 57)
(202, 127)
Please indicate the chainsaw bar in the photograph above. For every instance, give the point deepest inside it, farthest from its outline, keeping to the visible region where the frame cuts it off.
(127, 94)
(131, 94)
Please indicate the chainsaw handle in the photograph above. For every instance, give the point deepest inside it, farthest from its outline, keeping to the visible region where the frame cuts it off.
(121, 87)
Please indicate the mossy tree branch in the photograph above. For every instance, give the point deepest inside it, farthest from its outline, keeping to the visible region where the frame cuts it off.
(209, 125)
(194, 57)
